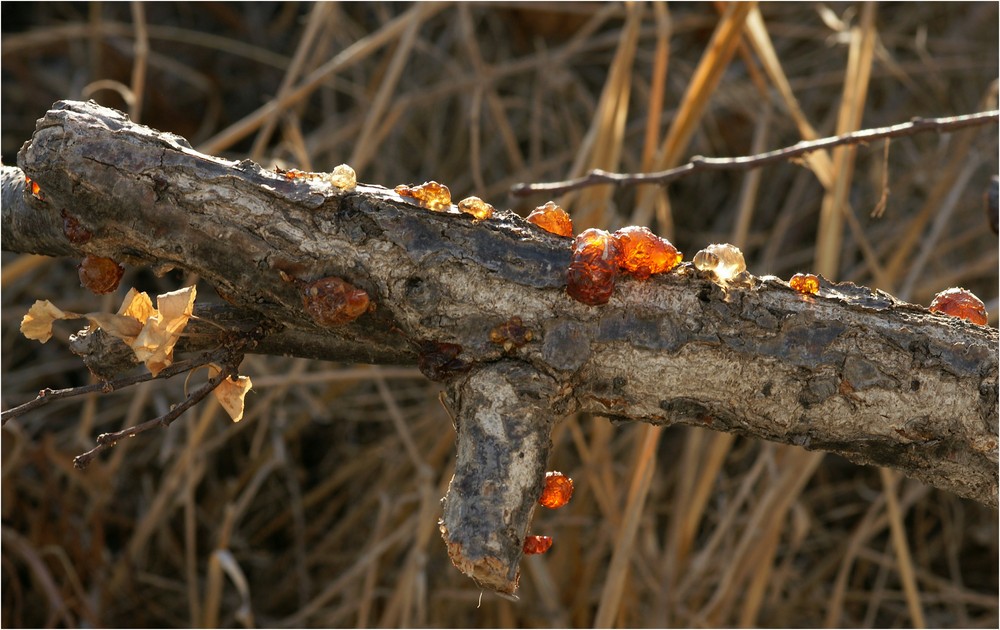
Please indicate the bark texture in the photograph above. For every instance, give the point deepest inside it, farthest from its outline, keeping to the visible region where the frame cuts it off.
(849, 371)
(504, 420)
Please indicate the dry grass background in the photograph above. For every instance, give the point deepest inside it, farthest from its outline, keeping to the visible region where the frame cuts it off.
(309, 512)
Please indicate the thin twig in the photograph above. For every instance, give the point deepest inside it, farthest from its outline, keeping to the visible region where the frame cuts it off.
(47, 395)
(699, 163)
(140, 49)
(883, 199)
(107, 440)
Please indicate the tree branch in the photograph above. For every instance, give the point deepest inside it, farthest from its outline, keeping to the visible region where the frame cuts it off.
(503, 418)
(699, 163)
(849, 371)
(107, 440)
(47, 395)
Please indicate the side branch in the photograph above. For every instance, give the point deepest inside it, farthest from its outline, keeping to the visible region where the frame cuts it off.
(505, 407)
(698, 163)
(47, 396)
(107, 440)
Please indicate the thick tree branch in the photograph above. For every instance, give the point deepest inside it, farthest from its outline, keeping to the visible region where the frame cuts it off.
(848, 371)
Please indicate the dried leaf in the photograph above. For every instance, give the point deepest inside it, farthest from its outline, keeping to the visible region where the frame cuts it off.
(150, 332)
(154, 345)
(37, 322)
(120, 326)
(230, 394)
(176, 305)
(137, 305)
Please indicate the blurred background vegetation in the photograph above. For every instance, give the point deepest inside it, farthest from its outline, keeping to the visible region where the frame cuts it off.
(307, 513)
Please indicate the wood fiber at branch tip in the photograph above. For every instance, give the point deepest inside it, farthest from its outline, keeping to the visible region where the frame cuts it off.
(847, 370)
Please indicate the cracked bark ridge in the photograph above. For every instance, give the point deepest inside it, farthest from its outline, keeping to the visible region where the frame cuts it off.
(848, 370)
(503, 417)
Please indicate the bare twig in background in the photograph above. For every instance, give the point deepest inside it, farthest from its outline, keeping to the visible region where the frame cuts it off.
(51, 395)
(312, 81)
(141, 51)
(107, 440)
(318, 17)
(698, 163)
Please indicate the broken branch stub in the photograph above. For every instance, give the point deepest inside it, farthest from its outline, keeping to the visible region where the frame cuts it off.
(503, 416)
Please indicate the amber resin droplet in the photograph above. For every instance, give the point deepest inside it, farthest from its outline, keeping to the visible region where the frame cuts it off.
(294, 173)
(959, 302)
(643, 253)
(476, 207)
(343, 177)
(537, 544)
(593, 267)
(558, 490)
(439, 361)
(430, 195)
(73, 231)
(552, 218)
(100, 275)
(333, 301)
(511, 334)
(722, 259)
(805, 283)
(34, 188)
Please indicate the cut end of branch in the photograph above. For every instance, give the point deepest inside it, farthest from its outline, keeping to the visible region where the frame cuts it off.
(487, 571)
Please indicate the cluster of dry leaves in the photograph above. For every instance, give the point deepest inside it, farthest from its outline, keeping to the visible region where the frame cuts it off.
(150, 331)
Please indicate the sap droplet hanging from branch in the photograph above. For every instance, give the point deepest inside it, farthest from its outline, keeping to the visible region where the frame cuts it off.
(557, 492)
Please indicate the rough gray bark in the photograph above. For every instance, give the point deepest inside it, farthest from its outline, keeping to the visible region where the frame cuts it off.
(503, 420)
(849, 371)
